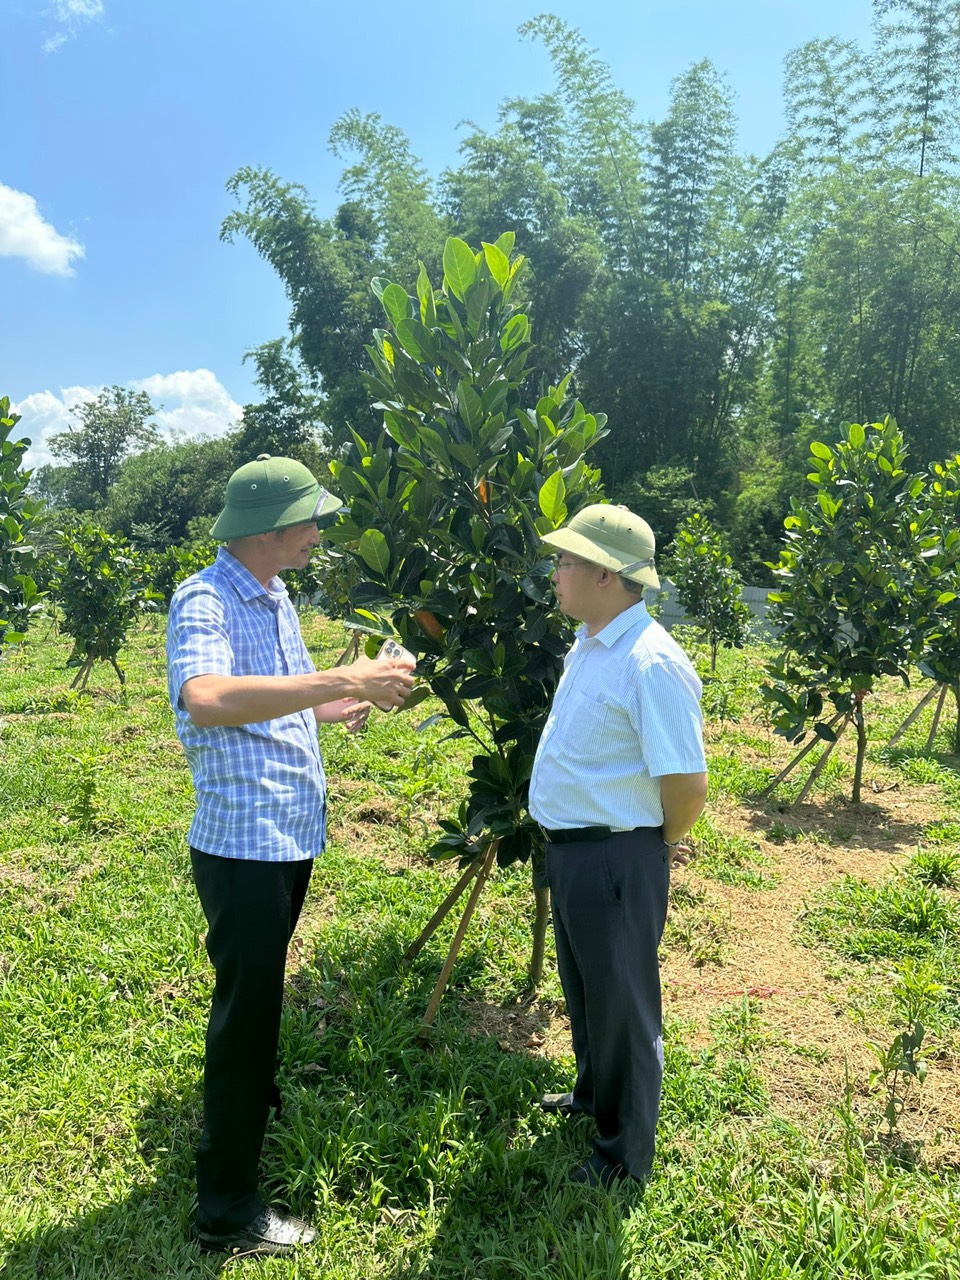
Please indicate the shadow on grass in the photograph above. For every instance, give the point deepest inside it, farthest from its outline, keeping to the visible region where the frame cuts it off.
(832, 820)
(430, 1163)
(144, 1235)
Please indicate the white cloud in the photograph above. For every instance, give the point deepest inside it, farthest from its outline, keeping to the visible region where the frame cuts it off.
(70, 16)
(25, 234)
(194, 403)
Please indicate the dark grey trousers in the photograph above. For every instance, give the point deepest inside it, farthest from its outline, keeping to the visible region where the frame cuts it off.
(252, 909)
(609, 909)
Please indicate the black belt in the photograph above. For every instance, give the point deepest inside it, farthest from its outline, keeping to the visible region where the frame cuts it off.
(577, 835)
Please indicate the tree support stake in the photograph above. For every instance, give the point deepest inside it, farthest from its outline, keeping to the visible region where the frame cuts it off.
(804, 751)
(441, 912)
(423, 1035)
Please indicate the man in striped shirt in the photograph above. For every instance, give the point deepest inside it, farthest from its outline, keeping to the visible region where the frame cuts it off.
(619, 778)
(247, 701)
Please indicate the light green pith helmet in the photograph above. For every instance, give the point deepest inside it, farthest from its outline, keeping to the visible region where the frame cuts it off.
(269, 494)
(611, 537)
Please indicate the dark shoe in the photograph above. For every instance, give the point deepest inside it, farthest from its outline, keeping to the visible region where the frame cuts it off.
(560, 1104)
(271, 1231)
(598, 1173)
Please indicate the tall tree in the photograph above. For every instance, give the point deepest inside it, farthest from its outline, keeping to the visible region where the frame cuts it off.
(386, 224)
(108, 429)
(289, 417)
(517, 178)
(918, 80)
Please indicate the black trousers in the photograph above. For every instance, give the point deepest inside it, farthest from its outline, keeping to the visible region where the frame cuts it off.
(252, 909)
(609, 909)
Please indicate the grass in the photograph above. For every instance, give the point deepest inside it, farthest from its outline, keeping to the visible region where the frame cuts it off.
(414, 1165)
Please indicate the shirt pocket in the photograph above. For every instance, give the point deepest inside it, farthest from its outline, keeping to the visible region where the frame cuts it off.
(585, 727)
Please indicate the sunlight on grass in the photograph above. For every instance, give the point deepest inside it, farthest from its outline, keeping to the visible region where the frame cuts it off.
(434, 1165)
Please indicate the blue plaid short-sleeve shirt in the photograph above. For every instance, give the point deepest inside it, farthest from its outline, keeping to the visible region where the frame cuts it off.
(260, 787)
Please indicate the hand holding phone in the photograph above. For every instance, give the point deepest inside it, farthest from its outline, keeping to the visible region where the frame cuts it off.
(391, 649)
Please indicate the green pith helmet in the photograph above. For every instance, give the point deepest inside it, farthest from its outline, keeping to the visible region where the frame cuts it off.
(613, 538)
(269, 494)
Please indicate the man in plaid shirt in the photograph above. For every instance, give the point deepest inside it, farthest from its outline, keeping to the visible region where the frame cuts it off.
(247, 701)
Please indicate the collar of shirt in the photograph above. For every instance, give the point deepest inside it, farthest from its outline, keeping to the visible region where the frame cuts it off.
(245, 584)
(636, 616)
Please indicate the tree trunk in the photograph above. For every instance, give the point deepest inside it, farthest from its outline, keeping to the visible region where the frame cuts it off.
(861, 746)
(541, 916)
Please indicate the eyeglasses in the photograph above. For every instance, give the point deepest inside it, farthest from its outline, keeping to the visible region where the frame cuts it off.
(559, 564)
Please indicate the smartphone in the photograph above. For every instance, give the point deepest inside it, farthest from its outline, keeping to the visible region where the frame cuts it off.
(391, 649)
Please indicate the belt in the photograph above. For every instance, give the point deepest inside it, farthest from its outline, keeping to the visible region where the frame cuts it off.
(578, 835)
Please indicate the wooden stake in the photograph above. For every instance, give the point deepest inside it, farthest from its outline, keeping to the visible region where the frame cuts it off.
(912, 716)
(423, 1035)
(804, 751)
(430, 928)
(936, 718)
(818, 767)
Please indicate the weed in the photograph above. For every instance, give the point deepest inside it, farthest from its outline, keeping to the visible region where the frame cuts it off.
(701, 931)
(942, 832)
(83, 806)
(781, 832)
(915, 992)
(935, 867)
(730, 859)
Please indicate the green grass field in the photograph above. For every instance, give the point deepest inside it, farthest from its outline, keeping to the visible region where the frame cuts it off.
(415, 1164)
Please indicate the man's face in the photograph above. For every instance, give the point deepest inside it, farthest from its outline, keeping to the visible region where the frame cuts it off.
(295, 545)
(574, 582)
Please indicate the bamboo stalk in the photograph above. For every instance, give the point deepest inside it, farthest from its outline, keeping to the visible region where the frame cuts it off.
(423, 1035)
(430, 928)
(804, 751)
(913, 715)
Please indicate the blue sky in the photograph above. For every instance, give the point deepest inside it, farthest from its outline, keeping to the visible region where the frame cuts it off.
(123, 120)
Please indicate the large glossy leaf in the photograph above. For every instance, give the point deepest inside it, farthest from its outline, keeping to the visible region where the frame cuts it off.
(396, 303)
(471, 410)
(428, 306)
(459, 267)
(498, 262)
(517, 331)
(551, 498)
(417, 340)
(375, 551)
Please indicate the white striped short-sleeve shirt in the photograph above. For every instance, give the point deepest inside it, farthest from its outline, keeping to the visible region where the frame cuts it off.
(260, 787)
(626, 712)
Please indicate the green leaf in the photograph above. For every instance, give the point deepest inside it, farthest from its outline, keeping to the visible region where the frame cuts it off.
(516, 332)
(375, 551)
(459, 267)
(428, 306)
(498, 262)
(396, 303)
(820, 450)
(469, 404)
(400, 430)
(506, 242)
(857, 435)
(417, 340)
(551, 498)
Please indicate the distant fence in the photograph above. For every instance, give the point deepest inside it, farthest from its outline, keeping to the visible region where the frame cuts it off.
(671, 611)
